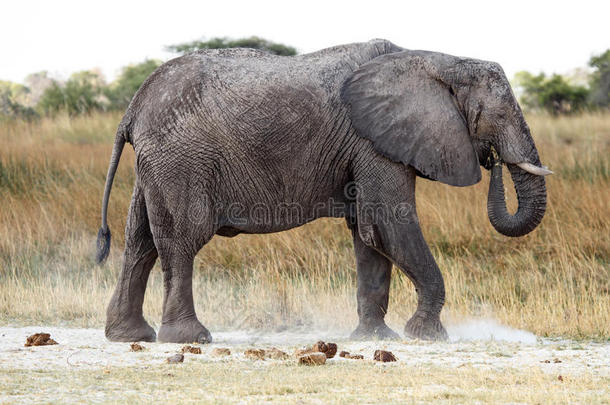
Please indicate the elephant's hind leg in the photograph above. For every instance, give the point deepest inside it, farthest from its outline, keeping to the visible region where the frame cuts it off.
(179, 234)
(179, 323)
(124, 319)
(374, 273)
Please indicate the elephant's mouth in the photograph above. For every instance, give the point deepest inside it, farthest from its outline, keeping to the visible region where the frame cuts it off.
(531, 194)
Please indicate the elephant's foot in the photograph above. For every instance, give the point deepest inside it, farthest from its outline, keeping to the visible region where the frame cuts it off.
(379, 331)
(425, 327)
(185, 331)
(130, 331)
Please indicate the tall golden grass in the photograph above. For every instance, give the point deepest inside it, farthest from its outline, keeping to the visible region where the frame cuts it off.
(554, 282)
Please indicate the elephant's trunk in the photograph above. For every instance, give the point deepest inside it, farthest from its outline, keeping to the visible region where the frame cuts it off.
(531, 194)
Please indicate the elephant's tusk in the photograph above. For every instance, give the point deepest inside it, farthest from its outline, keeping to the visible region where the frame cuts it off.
(538, 171)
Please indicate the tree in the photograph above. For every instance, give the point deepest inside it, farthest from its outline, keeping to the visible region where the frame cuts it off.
(37, 83)
(600, 79)
(219, 43)
(13, 101)
(121, 91)
(80, 94)
(554, 94)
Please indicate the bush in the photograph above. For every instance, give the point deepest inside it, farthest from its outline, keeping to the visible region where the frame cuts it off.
(600, 79)
(121, 91)
(13, 101)
(219, 43)
(554, 94)
(82, 93)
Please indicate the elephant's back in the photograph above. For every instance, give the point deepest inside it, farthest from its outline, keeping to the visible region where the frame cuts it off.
(223, 82)
(244, 97)
(236, 93)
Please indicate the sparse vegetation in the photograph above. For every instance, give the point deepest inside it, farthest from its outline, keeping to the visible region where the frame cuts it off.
(358, 382)
(553, 282)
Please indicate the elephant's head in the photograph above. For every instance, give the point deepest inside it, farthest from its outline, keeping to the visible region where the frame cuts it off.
(445, 116)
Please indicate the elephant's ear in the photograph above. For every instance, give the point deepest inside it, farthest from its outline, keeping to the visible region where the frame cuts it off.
(400, 103)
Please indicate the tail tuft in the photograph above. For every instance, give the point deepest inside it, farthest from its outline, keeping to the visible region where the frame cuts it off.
(103, 245)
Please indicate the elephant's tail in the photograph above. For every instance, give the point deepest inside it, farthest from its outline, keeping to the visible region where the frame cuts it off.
(103, 236)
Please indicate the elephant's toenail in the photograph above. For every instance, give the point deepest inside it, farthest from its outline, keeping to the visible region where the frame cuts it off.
(203, 338)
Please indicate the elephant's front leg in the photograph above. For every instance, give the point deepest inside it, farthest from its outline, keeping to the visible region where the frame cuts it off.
(417, 262)
(405, 244)
(179, 323)
(388, 223)
(374, 273)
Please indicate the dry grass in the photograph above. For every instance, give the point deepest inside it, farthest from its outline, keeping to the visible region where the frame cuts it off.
(554, 282)
(207, 382)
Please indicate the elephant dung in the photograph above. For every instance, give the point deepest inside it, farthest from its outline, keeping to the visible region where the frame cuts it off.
(136, 347)
(329, 349)
(191, 349)
(313, 359)
(320, 346)
(384, 356)
(176, 358)
(40, 339)
(332, 350)
(303, 351)
(221, 351)
(276, 354)
(348, 355)
(255, 354)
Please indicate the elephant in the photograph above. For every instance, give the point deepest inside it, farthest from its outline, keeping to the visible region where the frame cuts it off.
(240, 141)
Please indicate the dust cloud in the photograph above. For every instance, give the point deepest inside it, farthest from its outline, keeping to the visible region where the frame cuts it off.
(487, 329)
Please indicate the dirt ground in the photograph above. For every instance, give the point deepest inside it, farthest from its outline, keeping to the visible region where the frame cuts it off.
(482, 362)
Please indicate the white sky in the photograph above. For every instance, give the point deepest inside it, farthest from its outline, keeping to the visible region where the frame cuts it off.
(63, 36)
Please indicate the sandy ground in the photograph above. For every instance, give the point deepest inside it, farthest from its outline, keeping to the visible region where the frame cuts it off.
(479, 344)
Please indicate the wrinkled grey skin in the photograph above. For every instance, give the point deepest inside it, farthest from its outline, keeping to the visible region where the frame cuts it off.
(223, 137)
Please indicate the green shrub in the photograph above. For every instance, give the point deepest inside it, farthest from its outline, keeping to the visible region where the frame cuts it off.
(13, 101)
(80, 94)
(121, 91)
(600, 79)
(219, 43)
(554, 94)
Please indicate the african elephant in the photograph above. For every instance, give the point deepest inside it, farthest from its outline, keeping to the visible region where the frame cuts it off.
(241, 141)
